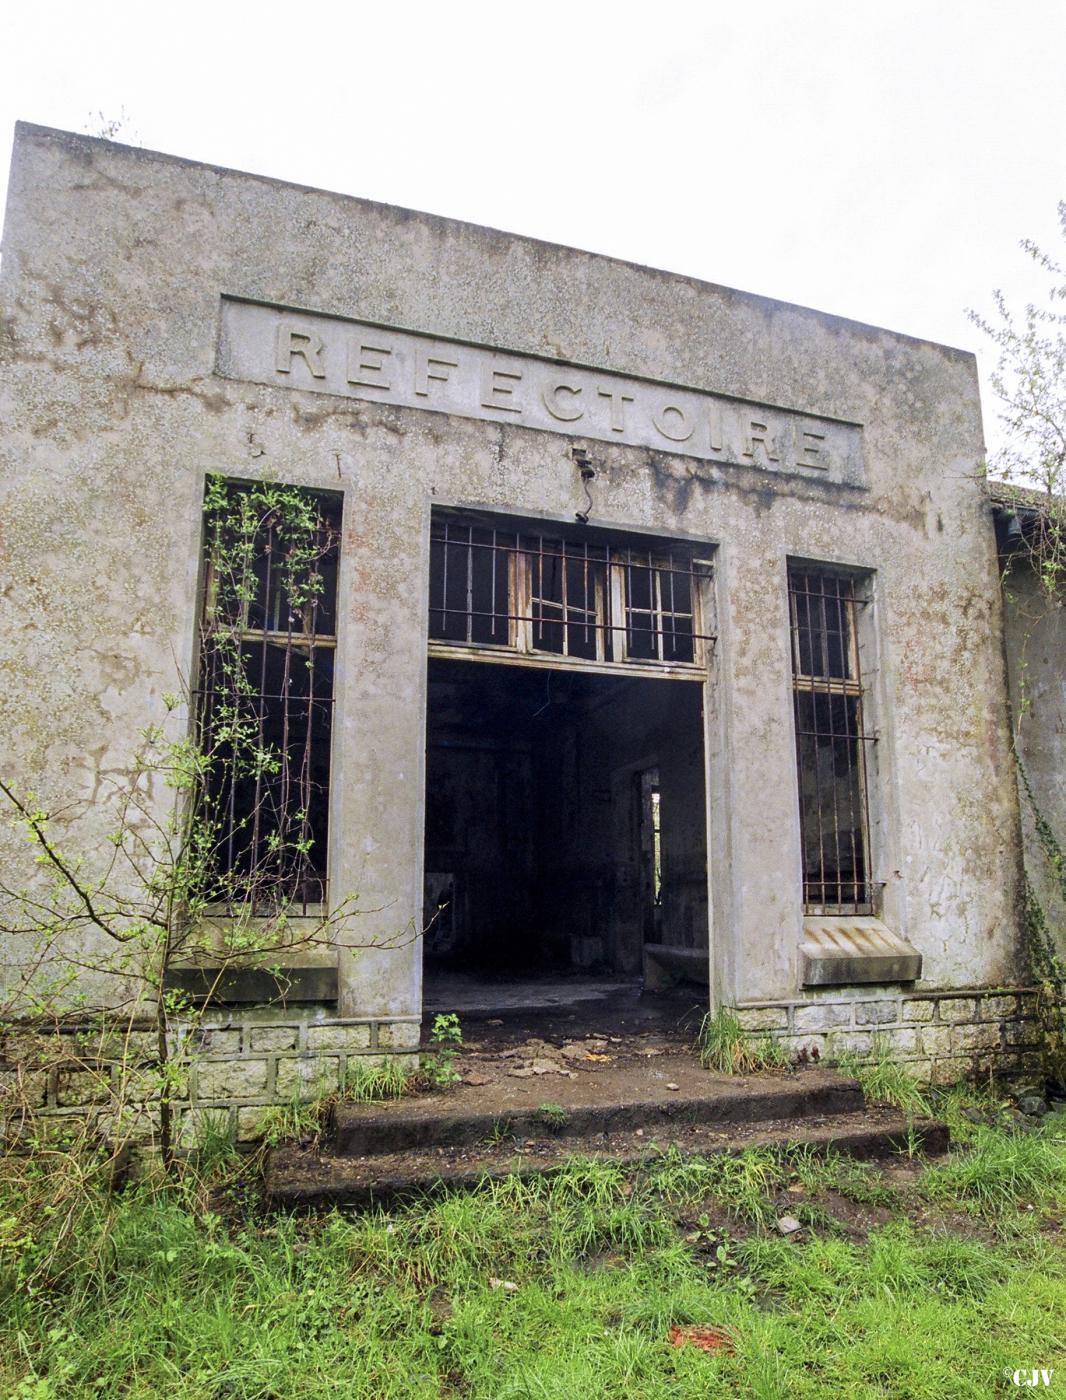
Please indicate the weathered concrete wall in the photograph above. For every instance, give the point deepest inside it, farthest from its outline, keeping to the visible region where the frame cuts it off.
(114, 265)
(1035, 644)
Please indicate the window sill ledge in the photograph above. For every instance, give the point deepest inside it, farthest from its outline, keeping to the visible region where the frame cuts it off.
(254, 986)
(843, 950)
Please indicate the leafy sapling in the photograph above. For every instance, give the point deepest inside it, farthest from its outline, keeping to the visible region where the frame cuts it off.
(446, 1039)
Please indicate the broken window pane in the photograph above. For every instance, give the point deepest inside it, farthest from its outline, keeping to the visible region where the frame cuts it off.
(566, 589)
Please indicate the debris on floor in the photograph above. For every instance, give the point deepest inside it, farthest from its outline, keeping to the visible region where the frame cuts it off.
(553, 1051)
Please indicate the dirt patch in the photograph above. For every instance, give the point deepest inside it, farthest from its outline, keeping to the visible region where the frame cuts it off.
(507, 1074)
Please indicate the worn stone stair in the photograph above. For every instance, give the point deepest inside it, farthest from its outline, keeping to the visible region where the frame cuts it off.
(376, 1153)
(434, 1122)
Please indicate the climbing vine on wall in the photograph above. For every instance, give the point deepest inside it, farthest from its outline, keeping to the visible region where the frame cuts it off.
(1046, 963)
(264, 698)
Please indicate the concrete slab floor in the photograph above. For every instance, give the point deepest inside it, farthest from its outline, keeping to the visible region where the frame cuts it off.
(471, 994)
(497, 1014)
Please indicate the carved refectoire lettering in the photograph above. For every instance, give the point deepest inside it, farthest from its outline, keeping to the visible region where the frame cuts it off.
(618, 402)
(810, 447)
(714, 423)
(674, 423)
(760, 435)
(568, 410)
(498, 387)
(366, 365)
(430, 367)
(383, 364)
(307, 344)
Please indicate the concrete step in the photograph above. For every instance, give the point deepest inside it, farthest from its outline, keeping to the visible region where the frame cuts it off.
(591, 1106)
(298, 1179)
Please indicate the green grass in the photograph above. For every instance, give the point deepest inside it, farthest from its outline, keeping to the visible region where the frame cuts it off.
(886, 1081)
(744, 1184)
(150, 1294)
(502, 1131)
(305, 1121)
(724, 1047)
(817, 1170)
(554, 1116)
(371, 1083)
(295, 1121)
(1001, 1170)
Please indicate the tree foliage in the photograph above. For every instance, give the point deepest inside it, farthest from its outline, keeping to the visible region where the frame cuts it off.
(1030, 377)
(1029, 382)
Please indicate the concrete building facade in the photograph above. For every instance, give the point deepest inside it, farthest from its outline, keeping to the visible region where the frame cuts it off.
(668, 635)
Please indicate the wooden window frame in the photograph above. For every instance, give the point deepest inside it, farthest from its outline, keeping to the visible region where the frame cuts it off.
(611, 613)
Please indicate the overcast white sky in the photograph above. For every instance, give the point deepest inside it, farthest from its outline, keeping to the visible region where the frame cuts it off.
(879, 161)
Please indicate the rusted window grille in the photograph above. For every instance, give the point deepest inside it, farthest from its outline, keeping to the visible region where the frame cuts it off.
(582, 597)
(265, 696)
(831, 742)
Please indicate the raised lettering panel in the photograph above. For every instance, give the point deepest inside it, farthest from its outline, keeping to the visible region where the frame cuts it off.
(326, 354)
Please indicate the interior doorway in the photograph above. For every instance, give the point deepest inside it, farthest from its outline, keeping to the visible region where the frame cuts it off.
(565, 829)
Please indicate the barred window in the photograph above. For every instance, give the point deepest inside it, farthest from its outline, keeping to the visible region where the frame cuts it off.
(583, 596)
(265, 697)
(831, 742)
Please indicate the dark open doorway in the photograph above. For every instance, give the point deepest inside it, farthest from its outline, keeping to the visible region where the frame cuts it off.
(565, 829)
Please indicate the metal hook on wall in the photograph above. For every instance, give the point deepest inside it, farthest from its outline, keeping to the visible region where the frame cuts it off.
(588, 473)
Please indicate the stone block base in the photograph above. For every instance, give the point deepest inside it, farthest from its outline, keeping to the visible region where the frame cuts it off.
(941, 1036)
(226, 1070)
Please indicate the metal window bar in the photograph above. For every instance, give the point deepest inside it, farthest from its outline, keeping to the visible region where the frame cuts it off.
(831, 743)
(266, 670)
(666, 629)
(557, 596)
(566, 586)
